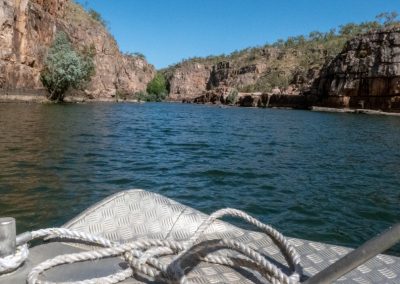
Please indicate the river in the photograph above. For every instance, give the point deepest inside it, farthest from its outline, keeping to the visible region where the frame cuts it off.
(326, 177)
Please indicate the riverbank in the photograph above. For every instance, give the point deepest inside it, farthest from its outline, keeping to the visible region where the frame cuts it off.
(245, 101)
(287, 101)
(357, 111)
(41, 98)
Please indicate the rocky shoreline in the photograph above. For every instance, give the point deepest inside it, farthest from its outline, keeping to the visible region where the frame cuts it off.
(257, 99)
(355, 111)
(40, 96)
(364, 75)
(43, 99)
(245, 100)
(260, 100)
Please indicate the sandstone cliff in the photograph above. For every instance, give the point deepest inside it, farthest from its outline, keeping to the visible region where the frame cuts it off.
(366, 74)
(27, 28)
(259, 69)
(188, 81)
(343, 70)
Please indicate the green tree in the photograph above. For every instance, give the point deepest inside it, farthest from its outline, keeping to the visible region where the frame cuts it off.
(65, 68)
(315, 35)
(135, 54)
(157, 88)
(350, 29)
(139, 54)
(232, 98)
(388, 18)
(97, 17)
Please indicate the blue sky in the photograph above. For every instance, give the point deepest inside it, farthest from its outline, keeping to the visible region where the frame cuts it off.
(167, 31)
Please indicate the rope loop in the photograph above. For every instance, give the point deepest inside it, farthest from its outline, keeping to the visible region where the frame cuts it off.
(144, 256)
(12, 262)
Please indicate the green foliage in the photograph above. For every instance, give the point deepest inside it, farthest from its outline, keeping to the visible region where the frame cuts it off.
(311, 51)
(97, 17)
(139, 54)
(65, 68)
(143, 96)
(89, 51)
(232, 98)
(295, 55)
(351, 29)
(135, 54)
(120, 95)
(269, 81)
(388, 18)
(157, 88)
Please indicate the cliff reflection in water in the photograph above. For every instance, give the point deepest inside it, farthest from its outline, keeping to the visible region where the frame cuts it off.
(39, 147)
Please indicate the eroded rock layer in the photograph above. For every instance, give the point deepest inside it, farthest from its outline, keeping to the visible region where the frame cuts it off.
(27, 29)
(366, 74)
(202, 77)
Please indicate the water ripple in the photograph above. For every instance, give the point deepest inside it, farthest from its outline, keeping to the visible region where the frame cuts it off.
(326, 177)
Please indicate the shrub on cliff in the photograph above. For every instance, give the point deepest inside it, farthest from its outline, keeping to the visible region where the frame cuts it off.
(135, 55)
(65, 68)
(139, 54)
(388, 18)
(143, 96)
(97, 17)
(232, 98)
(157, 88)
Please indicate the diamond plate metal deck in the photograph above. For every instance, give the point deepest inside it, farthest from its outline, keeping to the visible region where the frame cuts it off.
(138, 214)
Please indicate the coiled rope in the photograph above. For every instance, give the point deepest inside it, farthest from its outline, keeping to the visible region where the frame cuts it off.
(143, 256)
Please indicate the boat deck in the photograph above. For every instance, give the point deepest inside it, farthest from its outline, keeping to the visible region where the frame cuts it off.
(138, 214)
(155, 216)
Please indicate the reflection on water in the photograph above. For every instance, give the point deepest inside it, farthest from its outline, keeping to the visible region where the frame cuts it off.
(328, 177)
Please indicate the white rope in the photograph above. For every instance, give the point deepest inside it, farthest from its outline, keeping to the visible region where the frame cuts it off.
(288, 250)
(144, 256)
(12, 262)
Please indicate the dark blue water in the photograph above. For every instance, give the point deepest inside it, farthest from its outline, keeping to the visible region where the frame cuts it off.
(326, 177)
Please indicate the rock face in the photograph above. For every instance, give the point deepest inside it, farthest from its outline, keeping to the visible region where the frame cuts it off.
(188, 81)
(27, 29)
(258, 100)
(274, 100)
(191, 79)
(366, 74)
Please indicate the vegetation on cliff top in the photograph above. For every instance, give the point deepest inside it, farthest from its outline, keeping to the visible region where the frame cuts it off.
(65, 68)
(97, 17)
(296, 55)
(82, 13)
(135, 54)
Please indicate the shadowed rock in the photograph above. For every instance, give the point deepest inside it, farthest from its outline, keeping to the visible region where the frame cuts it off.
(366, 74)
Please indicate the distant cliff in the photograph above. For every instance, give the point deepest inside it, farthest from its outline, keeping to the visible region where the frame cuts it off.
(359, 67)
(254, 70)
(27, 29)
(366, 73)
(285, 67)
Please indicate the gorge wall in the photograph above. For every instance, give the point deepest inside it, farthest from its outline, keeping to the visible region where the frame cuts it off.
(27, 29)
(261, 68)
(364, 73)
